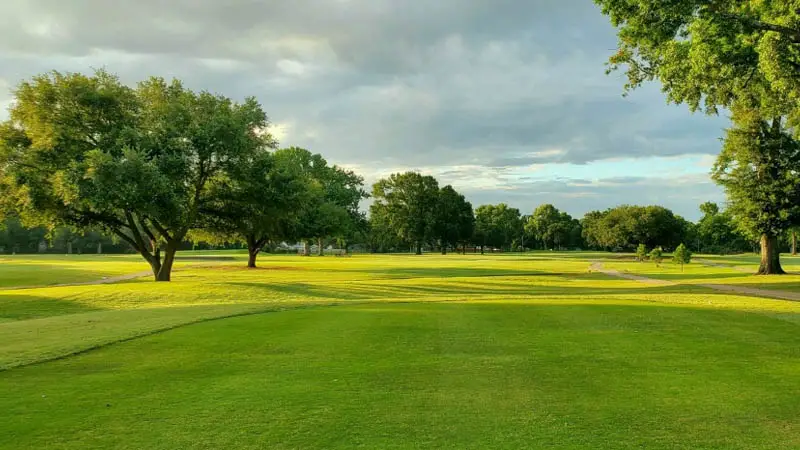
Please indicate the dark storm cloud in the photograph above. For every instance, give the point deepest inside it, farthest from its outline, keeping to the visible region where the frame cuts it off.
(380, 84)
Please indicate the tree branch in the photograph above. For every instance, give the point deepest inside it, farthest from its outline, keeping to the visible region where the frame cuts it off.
(160, 228)
(126, 238)
(792, 33)
(135, 231)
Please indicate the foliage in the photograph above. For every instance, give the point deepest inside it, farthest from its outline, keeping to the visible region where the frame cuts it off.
(329, 207)
(656, 255)
(681, 255)
(621, 228)
(717, 232)
(87, 151)
(407, 202)
(253, 202)
(455, 221)
(554, 229)
(497, 226)
(742, 56)
(759, 167)
(711, 54)
(641, 252)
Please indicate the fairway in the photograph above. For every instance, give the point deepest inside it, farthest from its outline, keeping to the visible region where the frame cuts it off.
(495, 351)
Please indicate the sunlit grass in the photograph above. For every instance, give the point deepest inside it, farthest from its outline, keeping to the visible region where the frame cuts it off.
(396, 351)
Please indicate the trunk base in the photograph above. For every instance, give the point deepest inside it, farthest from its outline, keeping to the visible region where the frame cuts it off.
(770, 257)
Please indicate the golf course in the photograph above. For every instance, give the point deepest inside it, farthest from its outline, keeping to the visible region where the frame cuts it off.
(533, 350)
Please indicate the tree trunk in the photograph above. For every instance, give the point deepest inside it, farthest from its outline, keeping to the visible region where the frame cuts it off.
(794, 243)
(155, 264)
(320, 250)
(69, 248)
(252, 254)
(418, 248)
(99, 248)
(770, 256)
(481, 249)
(165, 272)
(306, 249)
(444, 249)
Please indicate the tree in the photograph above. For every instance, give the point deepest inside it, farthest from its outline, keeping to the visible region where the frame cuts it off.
(87, 151)
(380, 235)
(330, 205)
(641, 252)
(253, 202)
(497, 225)
(551, 227)
(626, 226)
(681, 256)
(408, 202)
(717, 231)
(710, 54)
(759, 168)
(742, 56)
(455, 221)
(656, 255)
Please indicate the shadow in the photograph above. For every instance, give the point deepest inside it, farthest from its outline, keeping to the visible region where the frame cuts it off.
(22, 307)
(788, 287)
(689, 276)
(448, 272)
(363, 291)
(205, 258)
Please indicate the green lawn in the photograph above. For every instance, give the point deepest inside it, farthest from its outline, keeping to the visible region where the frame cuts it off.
(500, 351)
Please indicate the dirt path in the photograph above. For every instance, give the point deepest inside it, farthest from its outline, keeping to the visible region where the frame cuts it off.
(598, 267)
(740, 290)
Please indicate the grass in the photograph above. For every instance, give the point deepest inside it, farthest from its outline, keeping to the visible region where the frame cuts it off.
(499, 351)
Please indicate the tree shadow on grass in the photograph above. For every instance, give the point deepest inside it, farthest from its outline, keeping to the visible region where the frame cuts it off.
(449, 272)
(22, 307)
(688, 276)
(362, 291)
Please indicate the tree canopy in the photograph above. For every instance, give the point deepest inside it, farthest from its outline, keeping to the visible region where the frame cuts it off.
(626, 226)
(330, 204)
(497, 226)
(408, 203)
(455, 221)
(554, 229)
(88, 151)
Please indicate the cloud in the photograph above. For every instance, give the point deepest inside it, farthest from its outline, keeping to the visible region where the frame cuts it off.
(472, 90)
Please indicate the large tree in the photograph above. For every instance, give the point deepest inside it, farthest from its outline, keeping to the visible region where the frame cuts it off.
(712, 54)
(88, 151)
(455, 220)
(408, 203)
(759, 167)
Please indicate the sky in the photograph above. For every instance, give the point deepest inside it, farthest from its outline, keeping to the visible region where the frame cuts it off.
(508, 101)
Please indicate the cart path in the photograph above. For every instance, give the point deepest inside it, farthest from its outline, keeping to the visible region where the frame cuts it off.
(740, 290)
